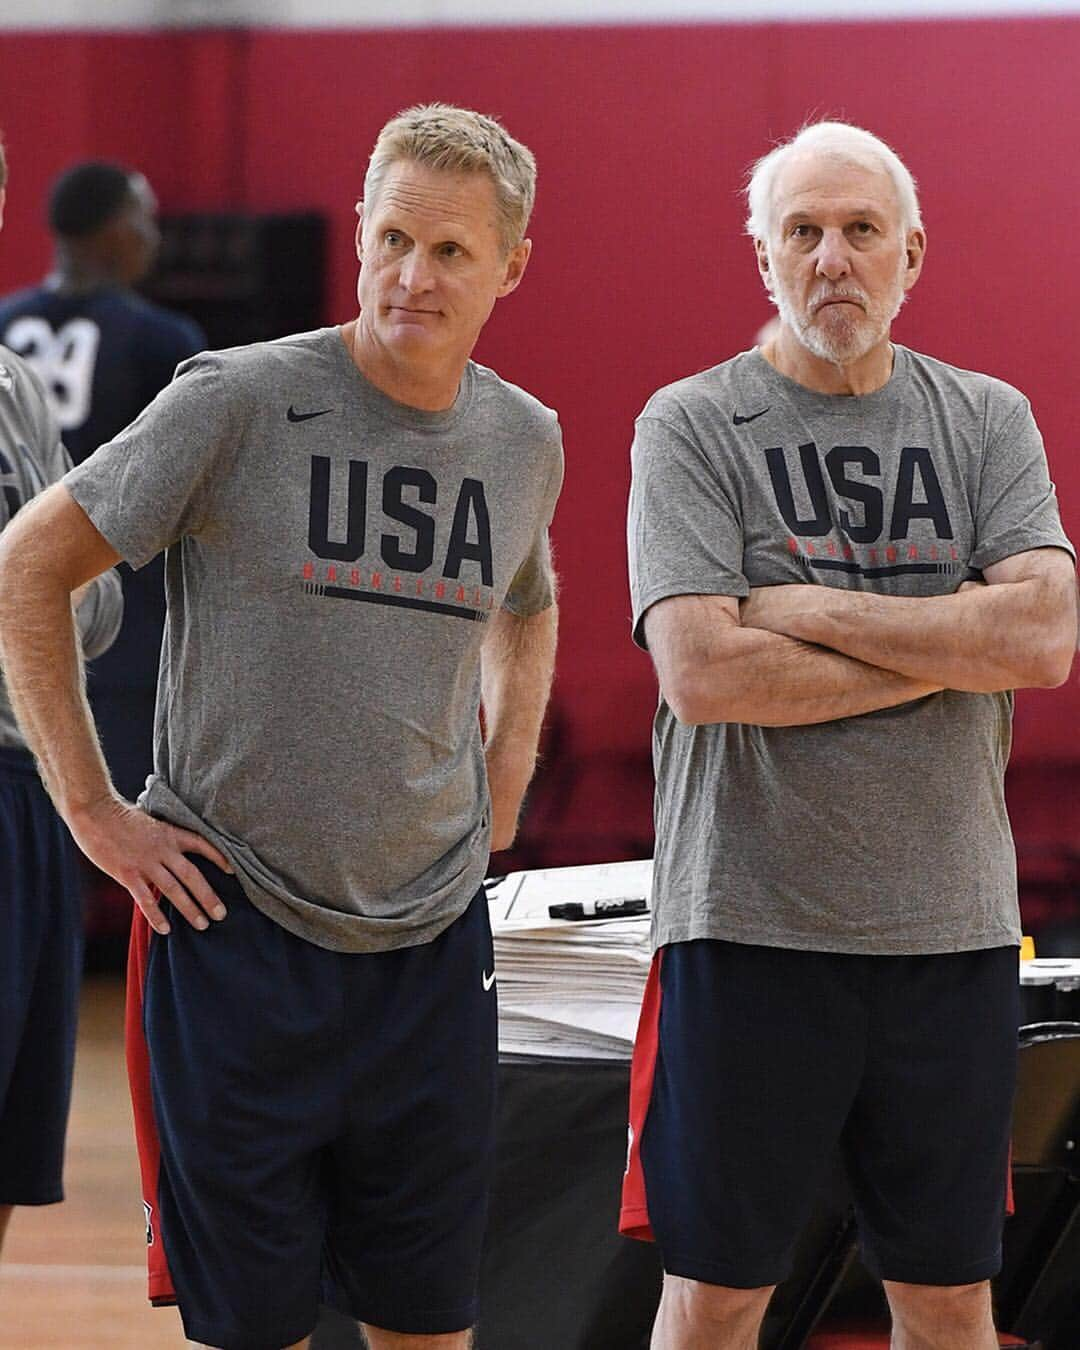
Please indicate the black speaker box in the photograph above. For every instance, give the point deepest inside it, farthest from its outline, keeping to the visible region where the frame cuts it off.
(244, 278)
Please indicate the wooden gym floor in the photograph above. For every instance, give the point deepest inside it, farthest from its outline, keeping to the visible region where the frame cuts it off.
(73, 1276)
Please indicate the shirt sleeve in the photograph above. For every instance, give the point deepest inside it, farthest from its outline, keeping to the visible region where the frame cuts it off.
(55, 459)
(154, 482)
(101, 610)
(100, 614)
(684, 533)
(1017, 506)
(533, 586)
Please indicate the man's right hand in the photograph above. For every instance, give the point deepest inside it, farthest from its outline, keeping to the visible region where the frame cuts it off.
(146, 856)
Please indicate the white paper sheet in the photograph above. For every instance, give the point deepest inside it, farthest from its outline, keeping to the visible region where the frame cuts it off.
(569, 988)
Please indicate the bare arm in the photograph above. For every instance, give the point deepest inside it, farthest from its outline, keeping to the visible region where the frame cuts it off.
(1017, 631)
(712, 669)
(517, 665)
(50, 550)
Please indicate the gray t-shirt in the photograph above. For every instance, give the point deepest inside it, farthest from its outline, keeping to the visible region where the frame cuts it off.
(884, 833)
(31, 457)
(333, 557)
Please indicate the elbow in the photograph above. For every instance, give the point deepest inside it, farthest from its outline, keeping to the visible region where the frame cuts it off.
(676, 692)
(15, 568)
(1054, 667)
(1053, 645)
(686, 695)
(1047, 662)
(8, 585)
(686, 712)
(1058, 648)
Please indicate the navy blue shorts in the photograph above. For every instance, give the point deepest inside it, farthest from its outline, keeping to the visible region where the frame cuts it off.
(753, 1064)
(321, 1116)
(40, 971)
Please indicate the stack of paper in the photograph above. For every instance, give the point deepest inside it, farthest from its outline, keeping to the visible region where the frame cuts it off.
(570, 987)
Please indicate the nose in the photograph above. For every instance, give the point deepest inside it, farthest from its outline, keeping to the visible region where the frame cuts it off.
(833, 255)
(417, 273)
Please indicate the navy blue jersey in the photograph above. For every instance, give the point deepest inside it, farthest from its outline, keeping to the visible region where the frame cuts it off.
(103, 355)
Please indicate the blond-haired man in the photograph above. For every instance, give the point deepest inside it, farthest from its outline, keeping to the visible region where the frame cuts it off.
(844, 556)
(356, 530)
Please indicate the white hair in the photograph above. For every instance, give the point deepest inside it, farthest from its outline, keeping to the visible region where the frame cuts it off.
(837, 140)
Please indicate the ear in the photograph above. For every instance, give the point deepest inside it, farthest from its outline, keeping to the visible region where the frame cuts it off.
(761, 251)
(359, 229)
(516, 262)
(915, 253)
(3, 196)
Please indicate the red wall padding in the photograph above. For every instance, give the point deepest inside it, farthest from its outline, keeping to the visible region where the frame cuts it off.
(640, 272)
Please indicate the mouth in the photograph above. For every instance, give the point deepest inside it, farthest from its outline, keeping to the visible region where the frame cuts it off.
(829, 300)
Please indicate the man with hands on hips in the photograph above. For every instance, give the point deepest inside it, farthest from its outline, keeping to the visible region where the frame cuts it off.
(356, 524)
(835, 903)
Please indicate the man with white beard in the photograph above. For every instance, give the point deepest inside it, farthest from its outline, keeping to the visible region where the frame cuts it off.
(844, 556)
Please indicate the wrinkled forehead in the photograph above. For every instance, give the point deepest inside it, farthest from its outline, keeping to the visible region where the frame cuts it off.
(412, 180)
(816, 180)
(420, 196)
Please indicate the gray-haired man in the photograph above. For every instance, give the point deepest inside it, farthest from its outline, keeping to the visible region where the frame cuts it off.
(356, 523)
(844, 556)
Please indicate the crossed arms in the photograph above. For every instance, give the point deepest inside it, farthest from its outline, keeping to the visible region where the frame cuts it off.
(799, 654)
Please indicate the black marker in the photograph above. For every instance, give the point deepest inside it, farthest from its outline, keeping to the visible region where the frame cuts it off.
(598, 909)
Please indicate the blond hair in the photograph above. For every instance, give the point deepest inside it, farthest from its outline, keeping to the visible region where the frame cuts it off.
(458, 140)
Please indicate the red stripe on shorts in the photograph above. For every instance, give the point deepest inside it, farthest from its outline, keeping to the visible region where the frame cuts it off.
(160, 1286)
(634, 1215)
(1010, 1199)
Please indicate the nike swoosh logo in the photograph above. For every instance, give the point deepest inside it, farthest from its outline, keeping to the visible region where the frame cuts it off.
(488, 980)
(295, 416)
(742, 421)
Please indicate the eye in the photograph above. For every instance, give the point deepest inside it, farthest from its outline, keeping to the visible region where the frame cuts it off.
(450, 249)
(802, 231)
(864, 228)
(393, 238)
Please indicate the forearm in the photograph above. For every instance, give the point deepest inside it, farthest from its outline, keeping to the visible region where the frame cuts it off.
(766, 679)
(42, 663)
(982, 639)
(518, 666)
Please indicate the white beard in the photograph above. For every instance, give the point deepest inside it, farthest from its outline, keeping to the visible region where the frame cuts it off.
(848, 333)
